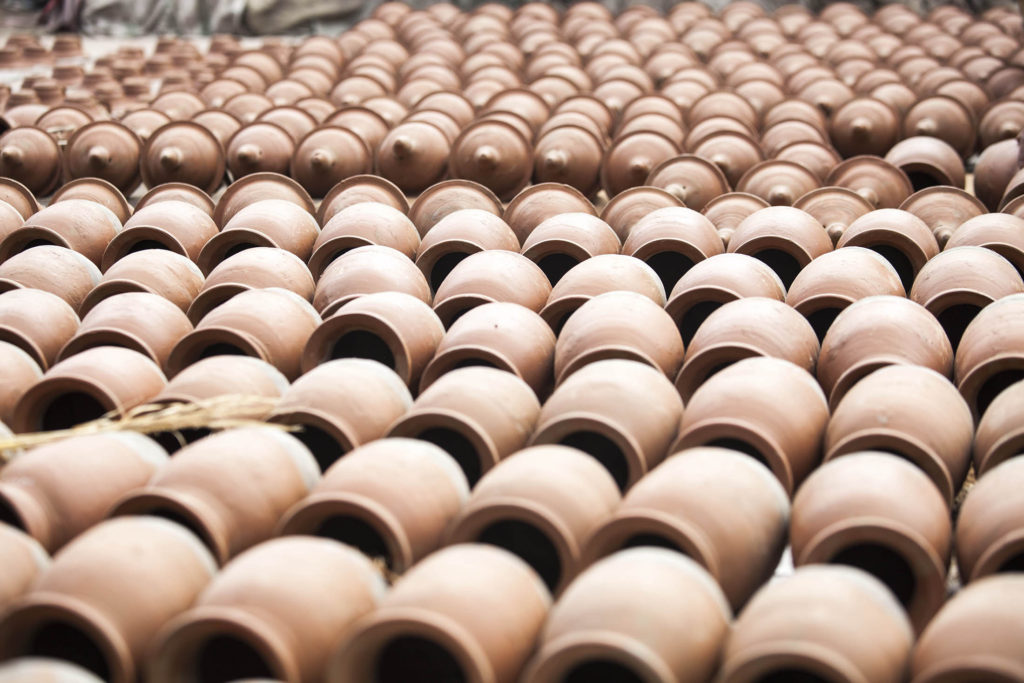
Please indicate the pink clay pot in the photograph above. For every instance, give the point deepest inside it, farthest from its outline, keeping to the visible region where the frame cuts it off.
(366, 270)
(542, 201)
(448, 196)
(360, 225)
(37, 322)
(474, 281)
(989, 533)
(457, 235)
(267, 223)
(154, 271)
(78, 224)
(20, 371)
(999, 434)
(25, 560)
(174, 225)
(989, 358)
(562, 242)
(785, 238)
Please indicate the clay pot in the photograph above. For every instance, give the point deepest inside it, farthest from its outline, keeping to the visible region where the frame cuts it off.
(750, 326)
(274, 223)
(358, 189)
(1001, 121)
(901, 237)
(778, 636)
(563, 241)
(785, 133)
(601, 623)
(414, 155)
(247, 106)
(327, 156)
(538, 203)
(181, 192)
(223, 376)
(472, 283)
(634, 157)
(27, 669)
(270, 624)
(144, 121)
(177, 226)
(798, 110)
(943, 118)
(180, 105)
(864, 126)
(360, 225)
(671, 508)
(780, 183)
(18, 196)
(671, 241)
(728, 210)
(494, 154)
(369, 125)
(185, 152)
(78, 224)
(20, 372)
(10, 220)
(943, 209)
(49, 268)
(31, 156)
(882, 184)
(457, 235)
(570, 155)
(693, 180)
(296, 121)
(95, 190)
(260, 146)
(42, 488)
(221, 123)
(785, 238)
(37, 322)
(733, 153)
(736, 408)
(446, 197)
(26, 561)
(988, 362)
(365, 270)
(154, 271)
(433, 616)
(256, 268)
(988, 535)
(107, 150)
(996, 231)
(998, 436)
(109, 591)
(927, 161)
(881, 514)
(624, 210)
(722, 104)
(992, 171)
(62, 121)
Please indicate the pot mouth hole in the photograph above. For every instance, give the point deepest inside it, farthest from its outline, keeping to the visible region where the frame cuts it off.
(899, 261)
(921, 180)
(358, 534)
(457, 446)
(413, 658)
(560, 323)
(474, 363)
(70, 409)
(444, 266)
(604, 450)
(955, 319)
(821, 320)
(1013, 564)
(10, 516)
(650, 540)
(362, 344)
(237, 249)
(57, 639)
(791, 675)
(219, 349)
(325, 448)
(784, 264)
(601, 671)
(670, 266)
(741, 446)
(188, 435)
(995, 385)
(224, 658)
(181, 520)
(143, 245)
(694, 318)
(529, 543)
(39, 242)
(883, 563)
(555, 266)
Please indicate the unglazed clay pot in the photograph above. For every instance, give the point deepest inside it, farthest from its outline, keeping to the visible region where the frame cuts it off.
(602, 625)
(144, 322)
(999, 232)
(180, 192)
(107, 594)
(25, 560)
(778, 182)
(414, 155)
(29, 155)
(256, 268)
(272, 324)
(996, 164)
(571, 155)
(999, 433)
(671, 241)
(728, 210)
(107, 150)
(588, 412)
(156, 271)
(342, 404)
(784, 238)
(224, 376)
(494, 154)
(223, 124)
(18, 196)
(78, 224)
(864, 125)
(10, 220)
(62, 272)
(505, 335)
(679, 506)
(358, 189)
(693, 180)
(737, 408)
(20, 371)
(28, 669)
(537, 203)
(259, 187)
(392, 499)
(432, 618)
(629, 206)
(472, 282)
(989, 357)
(267, 223)
(857, 631)
(42, 489)
(37, 322)
(259, 146)
(365, 270)
(96, 190)
(184, 152)
(327, 156)
(902, 238)
(876, 512)
(927, 161)
(449, 196)
(751, 326)
(883, 184)
(975, 635)
(943, 118)
(989, 534)
(366, 124)
(835, 208)
(261, 604)
(943, 209)
(457, 235)
(563, 241)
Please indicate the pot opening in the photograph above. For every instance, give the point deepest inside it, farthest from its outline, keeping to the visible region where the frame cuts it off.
(885, 564)
(920, 180)
(995, 385)
(39, 243)
(785, 265)
(529, 543)
(604, 450)
(741, 446)
(695, 317)
(10, 516)
(791, 675)
(358, 534)
(475, 363)
(143, 245)
(560, 323)
(60, 640)
(670, 266)
(601, 671)
(443, 266)
(457, 446)
(821, 320)
(225, 658)
(955, 319)
(411, 658)
(904, 268)
(324, 447)
(555, 266)
(70, 409)
(1013, 564)
(171, 441)
(237, 249)
(648, 540)
(219, 349)
(362, 344)
(182, 520)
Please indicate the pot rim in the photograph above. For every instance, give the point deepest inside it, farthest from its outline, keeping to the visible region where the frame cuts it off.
(557, 658)
(331, 329)
(713, 428)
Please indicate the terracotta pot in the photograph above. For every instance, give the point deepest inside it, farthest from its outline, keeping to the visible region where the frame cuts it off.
(10, 220)
(570, 155)
(37, 322)
(671, 241)
(529, 105)
(989, 362)
(601, 623)
(363, 224)
(901, 237)
(41, 489)
(20, 371)
(992, 171)
(881, 514)
(185, 152)
(943, 209)
(796, 110)
(864, 126)
(173, 225)
(835, 208)
(256, 268)
(78, 224)
(223, 124)
(780, 183)
(457, 235)
(927, 161)
(538, 203)
(434, 616)
(26, 560)
(785, 238)
(726, 211)
(144, 121)
(358, 189)
(296, 121)
(260, 146)
(18, 196)
(247, 106)
(624, 210)
(414, 155)
(693, 180)
(778, 636)
(733, 153)
(367, 124)
(989, 537)
(998, 435)
(31, 156)
(107, 150)
(49, 268)
(179, 104)
(62, 121)
(154, 271)
(1000, 121)
(472, 283)
(223, 376)
(785, 133)
(95, 190)
(365, 270)
(181, 192)
(634, 157)
(672, 508)
(327, 156)
(722, 103)
(996, 231)
(239, 613)
(108, 593)
(494, 154)
(478, 415)
(561, 242)
(276, 223)
(943, 118)
(446, 197)
(787, 439)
